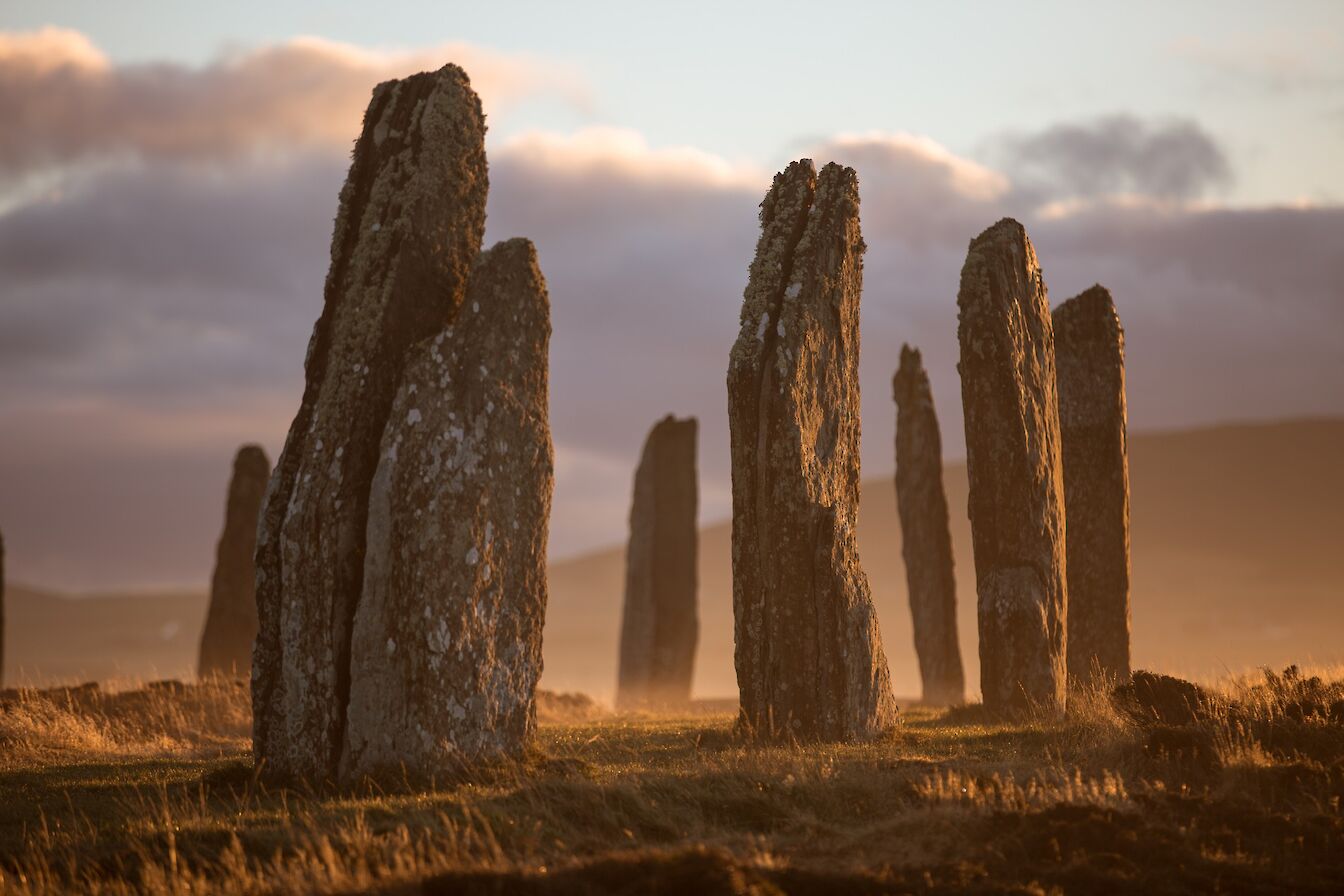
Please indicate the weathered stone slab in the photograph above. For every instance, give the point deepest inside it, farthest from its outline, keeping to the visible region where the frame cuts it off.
(1013, 463)
(446, 650)
(231, 620)
(926, 540)
(408, 230)
(808, 651)
(659, 623)
(1090, 371)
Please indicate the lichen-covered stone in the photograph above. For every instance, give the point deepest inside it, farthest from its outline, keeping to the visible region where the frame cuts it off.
(808, 651)
(231, 620)
(926, 540)
(408, 230)
(1090, 371)
(1016, 499)
(447, 637)
(659, 625)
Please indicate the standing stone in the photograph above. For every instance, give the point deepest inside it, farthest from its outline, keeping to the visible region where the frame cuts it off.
(808, 652)
(1013, 463)
(1090, 362)
(231, 620)
(447, 642)
(659, 628)
(409, 228)
(926, 540)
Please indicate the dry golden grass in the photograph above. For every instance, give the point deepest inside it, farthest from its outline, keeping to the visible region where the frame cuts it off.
(152, 791)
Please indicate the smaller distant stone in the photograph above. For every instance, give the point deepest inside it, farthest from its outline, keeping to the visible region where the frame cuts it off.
(659, 626)
(926, 540)
(1090, 368)
(446, 649)
(231, 620)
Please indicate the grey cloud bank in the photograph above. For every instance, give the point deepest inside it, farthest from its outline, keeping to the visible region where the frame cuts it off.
(155, 316)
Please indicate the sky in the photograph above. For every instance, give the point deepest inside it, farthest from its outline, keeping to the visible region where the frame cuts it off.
(169, 172)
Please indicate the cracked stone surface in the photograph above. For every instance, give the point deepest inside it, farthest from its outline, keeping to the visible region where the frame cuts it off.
(926, 540)
(231, 620)
(808, 651)
(659, 623)
(447, 639)
(407, 232)
(1016, 502)
(1090, 372)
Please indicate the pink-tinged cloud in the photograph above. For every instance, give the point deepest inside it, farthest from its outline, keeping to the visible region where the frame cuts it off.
(157, 316)
(63, 102)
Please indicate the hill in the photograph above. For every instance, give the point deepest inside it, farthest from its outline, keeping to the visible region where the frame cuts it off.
(1236, 534)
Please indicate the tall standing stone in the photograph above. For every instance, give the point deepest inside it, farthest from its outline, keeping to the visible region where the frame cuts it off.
(408, 230)
(447, 638)
(1090, 370)
(659, 626)
(926, 540)
(231, 620)
(808, 651)
(1013, 463)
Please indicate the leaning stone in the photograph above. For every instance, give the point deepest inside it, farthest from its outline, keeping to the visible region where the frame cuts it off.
(1016, 500)
(659, 628)
(808, 650)
(447, 638)
(1090, 370)
(231, 620)
(926, 540)
(409, 227)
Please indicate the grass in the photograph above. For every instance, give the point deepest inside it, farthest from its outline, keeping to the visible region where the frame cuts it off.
(1235, 789)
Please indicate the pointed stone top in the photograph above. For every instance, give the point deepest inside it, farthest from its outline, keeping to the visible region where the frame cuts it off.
(671, 421)
(516, 249)
(509, 268)
(911, 381)
(790, 194)
(1005, 231)
(1000, 268)
(1089, 315)
(252, 460)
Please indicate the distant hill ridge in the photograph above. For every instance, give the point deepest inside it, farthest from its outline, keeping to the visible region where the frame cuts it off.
(1236, 534)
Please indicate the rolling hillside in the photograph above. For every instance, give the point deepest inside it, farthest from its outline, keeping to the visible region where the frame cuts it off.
(1238, 556)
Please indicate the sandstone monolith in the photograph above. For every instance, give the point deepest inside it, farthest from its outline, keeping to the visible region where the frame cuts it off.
(231, 620)
(447, 638)
(808, 651)
(407, 232)
(1090, 372)
(926, 540)
(1016, 499)
(659, 624)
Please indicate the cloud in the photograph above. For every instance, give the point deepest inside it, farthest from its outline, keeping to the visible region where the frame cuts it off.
(1275, 62)
(64, 103)
(905, 173)
(1174, 159)
(156, 314)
